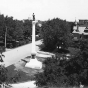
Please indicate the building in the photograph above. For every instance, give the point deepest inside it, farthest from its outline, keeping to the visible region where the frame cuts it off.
(81, 29)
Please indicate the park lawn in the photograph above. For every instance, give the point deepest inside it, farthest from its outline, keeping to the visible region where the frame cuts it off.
(26, 74)
(23, 76)
(73, 51)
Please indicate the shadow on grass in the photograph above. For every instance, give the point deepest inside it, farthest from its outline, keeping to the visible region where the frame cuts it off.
(43, 48)
(73, 51)
(63, 51)
(22, 75)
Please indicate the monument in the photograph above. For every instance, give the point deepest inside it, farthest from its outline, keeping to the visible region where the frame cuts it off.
(33, 63)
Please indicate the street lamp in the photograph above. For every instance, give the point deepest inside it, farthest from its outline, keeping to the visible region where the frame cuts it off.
(33, 63)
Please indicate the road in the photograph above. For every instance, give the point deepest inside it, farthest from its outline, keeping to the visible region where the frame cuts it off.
(29, 84)
(15, 55)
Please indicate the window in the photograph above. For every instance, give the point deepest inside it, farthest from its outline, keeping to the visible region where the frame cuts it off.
(86, 31)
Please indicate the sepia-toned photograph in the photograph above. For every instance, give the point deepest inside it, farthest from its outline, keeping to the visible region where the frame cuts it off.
(43, 43)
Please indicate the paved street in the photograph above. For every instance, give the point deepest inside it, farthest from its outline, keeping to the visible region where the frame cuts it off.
(15, 55)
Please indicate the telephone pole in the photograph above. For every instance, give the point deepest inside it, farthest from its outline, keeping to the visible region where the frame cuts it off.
(5, 37)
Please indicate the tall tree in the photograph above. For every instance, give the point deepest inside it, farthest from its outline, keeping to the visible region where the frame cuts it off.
(2, 26)
(27, 28)
(10, 26)
(18, 31)
(54, 30)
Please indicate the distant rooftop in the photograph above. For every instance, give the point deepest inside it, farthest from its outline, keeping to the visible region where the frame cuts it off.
(83, 22)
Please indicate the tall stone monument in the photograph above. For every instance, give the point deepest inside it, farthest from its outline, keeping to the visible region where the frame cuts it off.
(33, 63)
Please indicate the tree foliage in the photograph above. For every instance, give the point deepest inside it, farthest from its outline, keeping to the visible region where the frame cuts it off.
(53, 31)
(16, 30)
(27, 28)
(3, 74)
(66, 72)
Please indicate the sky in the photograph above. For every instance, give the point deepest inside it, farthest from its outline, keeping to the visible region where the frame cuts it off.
(45, 9)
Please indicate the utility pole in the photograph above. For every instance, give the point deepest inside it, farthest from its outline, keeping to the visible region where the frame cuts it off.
(5, 37)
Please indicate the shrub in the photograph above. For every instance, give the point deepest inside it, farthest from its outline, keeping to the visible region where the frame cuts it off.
(53, 75)
(3, 74)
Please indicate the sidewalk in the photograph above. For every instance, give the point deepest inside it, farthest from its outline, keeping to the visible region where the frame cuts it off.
(29, 84)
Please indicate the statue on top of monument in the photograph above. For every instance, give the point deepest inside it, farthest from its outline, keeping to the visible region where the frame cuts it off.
(33, 17)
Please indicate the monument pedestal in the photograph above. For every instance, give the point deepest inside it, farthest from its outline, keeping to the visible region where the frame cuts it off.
(34, 63)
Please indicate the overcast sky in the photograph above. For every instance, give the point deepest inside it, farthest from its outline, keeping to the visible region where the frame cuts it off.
(45, 9)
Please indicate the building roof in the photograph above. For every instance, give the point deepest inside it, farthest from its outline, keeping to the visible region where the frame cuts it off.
(83, 23)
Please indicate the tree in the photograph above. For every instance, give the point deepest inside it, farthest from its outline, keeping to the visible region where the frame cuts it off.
(53, 31)
(53, 75)
(27, 28)
(65, 72)
(10, 25)
(3, 74)
(2, 26)
(18, 32)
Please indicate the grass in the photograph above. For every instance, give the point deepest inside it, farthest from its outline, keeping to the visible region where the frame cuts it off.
(73, 51)
(26, 74)
(23, 76)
